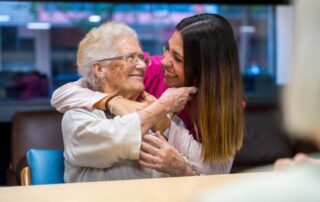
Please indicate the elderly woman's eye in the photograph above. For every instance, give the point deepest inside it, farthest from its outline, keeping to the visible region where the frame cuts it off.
(131, 56)
(140, 56)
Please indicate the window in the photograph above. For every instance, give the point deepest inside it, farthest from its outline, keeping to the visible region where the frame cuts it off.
(39, 39)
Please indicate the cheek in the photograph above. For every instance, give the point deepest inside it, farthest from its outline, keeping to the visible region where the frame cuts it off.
(117, 73)
(180, 72)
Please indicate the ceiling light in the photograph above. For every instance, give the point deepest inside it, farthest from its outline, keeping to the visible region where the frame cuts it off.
(38, 25)
(94, 18)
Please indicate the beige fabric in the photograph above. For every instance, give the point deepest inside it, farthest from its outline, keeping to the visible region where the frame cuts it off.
(98, 148)
(191, 149)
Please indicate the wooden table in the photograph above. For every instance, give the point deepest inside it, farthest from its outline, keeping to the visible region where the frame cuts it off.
(149, 190)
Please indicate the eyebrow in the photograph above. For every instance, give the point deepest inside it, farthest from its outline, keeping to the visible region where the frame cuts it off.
(175, 52)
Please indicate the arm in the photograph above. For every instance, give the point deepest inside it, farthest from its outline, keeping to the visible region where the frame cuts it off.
(75, 94)
(172, 100)
(89, 136)
(181, 155)
(92, 140)
(180, 138)
(157, 154)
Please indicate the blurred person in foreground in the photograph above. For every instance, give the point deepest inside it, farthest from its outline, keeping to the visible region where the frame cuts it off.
(302, 116)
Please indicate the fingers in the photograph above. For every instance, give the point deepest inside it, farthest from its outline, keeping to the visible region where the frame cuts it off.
(154, 140)
(283, 163)
(147, 99)
(191, 90)
(149, 148)
(146, 164)
(161, 137)
(190, 97)
(148, 158)
(300, 157)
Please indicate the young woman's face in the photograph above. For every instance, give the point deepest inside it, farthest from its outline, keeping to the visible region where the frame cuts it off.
(173, 61)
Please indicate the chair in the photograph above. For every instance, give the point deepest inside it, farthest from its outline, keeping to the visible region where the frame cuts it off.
(45, 167)
(36, 129)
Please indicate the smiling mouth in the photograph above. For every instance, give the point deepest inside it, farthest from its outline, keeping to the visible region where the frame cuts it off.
(169, 74)
(137, 74)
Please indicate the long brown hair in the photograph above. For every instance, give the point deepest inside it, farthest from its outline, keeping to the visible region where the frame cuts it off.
(211, 63)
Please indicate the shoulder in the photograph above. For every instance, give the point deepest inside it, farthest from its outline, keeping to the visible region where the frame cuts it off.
(155, 66)
(82, 113)
(178, 121)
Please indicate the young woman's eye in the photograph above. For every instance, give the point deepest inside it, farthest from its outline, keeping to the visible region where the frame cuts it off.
(165, 48)
(177, 59)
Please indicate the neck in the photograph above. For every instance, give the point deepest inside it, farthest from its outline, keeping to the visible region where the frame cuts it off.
(132, 95)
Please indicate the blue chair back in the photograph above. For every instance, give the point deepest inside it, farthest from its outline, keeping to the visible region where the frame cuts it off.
(47, 166)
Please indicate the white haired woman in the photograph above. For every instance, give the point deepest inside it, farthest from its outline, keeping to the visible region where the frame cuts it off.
(98, 145)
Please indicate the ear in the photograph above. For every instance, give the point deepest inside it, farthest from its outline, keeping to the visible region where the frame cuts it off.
(98, 70)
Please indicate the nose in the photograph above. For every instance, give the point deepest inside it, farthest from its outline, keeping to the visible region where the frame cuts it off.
(140, 64)
(167, 61)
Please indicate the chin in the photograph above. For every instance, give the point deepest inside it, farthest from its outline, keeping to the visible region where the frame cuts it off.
(173, 84)
(138, 87)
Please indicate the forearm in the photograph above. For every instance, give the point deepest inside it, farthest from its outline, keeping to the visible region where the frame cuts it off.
(150, 115)
(75, 94)
(191, 149)
(162, 125)
(101, 104)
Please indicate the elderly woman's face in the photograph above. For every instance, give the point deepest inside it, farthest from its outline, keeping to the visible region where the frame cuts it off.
(126, 76)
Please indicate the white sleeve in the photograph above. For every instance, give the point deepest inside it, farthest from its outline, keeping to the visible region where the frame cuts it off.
(75, 94)
(92, 140)
(180, 138)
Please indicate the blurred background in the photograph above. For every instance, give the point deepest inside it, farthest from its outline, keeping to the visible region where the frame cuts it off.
(39, 40)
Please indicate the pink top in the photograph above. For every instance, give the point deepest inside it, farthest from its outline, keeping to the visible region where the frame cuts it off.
(155, 85)
(154, 80)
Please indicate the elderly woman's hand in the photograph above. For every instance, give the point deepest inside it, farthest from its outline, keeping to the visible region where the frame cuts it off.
(156, 153)
(174, 99)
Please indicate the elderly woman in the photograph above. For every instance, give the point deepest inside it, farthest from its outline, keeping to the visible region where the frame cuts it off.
(99, 145)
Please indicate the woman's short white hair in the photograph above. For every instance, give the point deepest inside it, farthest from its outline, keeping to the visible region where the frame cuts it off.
(99, 43)
(302, 96)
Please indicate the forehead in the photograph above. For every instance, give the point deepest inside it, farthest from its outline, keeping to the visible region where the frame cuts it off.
(128, 45)
(176, 43)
